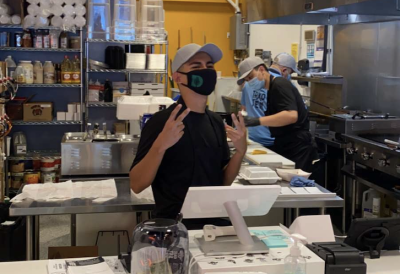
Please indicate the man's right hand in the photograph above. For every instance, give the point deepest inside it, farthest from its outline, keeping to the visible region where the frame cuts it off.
(173, 129)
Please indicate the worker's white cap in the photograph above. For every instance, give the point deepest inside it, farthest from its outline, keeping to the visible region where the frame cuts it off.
(247, 65)
(185, 53)
(286, 60)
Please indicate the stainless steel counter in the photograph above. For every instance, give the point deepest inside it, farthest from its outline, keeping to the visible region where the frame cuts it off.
(125, 202)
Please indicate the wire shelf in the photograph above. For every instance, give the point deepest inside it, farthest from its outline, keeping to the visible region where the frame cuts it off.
(2, 26)
(128, 42)
(102, 105)
(49, 123)
(126, 71)
(38, 49)
(49, 85)
(36, 155)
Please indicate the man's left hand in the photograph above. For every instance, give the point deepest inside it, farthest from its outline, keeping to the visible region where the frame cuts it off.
(238, 136)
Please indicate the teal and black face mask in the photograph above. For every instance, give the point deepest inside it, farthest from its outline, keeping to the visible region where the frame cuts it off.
(201, 81)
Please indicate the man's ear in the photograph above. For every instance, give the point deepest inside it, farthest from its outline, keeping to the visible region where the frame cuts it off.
(177, 77)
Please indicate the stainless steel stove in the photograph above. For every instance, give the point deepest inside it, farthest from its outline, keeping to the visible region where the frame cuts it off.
(377, 151)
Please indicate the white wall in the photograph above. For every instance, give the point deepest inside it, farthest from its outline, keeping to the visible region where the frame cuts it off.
(279, 38)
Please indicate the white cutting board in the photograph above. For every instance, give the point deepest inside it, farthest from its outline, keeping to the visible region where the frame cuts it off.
(304, 192)
(271, 159)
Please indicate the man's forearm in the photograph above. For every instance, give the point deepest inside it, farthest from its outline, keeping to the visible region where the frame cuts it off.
(143, 174)
(232, 169)
(281, 119)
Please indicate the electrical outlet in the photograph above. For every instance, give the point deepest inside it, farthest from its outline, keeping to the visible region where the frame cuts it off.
(228, 35)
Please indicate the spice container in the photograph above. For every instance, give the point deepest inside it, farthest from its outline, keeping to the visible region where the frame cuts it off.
(57, 164)
(4, 39)
(54, 36)
(38, 39)
(31, 177)
(27, 39)
(75, 42)
(18, 39)
(46, 39)
(64, 40)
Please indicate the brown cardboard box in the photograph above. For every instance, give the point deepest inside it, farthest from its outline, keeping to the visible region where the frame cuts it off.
(68, 252)
(38, 111)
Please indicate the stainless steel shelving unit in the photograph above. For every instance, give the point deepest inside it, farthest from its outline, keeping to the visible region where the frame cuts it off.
(38, 49)
(102, 105)
(11, 26)
(49, 123)
(164, 73)
(49, 85)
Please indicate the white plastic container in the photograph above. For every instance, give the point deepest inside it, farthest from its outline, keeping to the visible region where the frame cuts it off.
(136, 61)
(288, 174)
(28, 71)
(132, 107)
(11, 66)
(371, 203)
(259, 175)
(156, 61)
(48, 73)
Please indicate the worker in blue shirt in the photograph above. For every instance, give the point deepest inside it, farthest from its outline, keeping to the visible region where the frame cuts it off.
(254, 95)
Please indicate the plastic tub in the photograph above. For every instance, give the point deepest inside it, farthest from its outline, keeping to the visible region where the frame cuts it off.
(136, 61)
(156, 61)
(259, 175)
(99, 19)
(132, 107)
(124, 19)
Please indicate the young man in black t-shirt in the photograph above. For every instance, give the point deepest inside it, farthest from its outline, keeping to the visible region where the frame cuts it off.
(287, 119)
(186, 144)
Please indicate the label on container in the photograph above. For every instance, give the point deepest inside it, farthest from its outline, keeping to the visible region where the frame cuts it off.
(39, 42)
(49, 76)
(28, 75)
(64, 43)
(46, 41)
(66, 77)
(76, 77)
(21, 149)
(48, 177)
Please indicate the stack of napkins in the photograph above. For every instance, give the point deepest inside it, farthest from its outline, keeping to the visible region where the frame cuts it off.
(98, 191)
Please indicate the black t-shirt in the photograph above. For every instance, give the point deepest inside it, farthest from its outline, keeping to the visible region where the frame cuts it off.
(198, 159)
(282, 95)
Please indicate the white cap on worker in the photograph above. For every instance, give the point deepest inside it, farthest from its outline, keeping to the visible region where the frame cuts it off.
(286, 60)
(185, 53)
(246, 66)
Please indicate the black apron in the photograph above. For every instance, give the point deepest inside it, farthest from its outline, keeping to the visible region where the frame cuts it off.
(298, 146)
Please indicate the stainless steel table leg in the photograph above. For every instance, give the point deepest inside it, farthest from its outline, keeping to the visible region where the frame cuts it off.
(29, 238)
(344, 205)
(322, 211)
(353, 197)
(37, 238)
(73, 229)
(326, 167)
(287, 212)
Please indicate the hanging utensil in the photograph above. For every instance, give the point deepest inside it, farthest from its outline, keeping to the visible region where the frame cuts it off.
(179, 39)
(205, 38)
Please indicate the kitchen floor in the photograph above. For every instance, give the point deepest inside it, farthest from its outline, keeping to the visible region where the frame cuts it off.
(54, 231)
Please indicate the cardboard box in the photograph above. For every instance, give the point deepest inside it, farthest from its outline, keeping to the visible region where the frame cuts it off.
(69, 116)
(38, 112)
(72, 108)
(61, 116)
(68, 252)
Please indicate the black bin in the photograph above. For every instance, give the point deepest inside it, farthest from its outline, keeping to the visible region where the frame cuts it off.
(12, 237)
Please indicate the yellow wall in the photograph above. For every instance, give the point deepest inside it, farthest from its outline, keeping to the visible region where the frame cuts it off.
(206, 18)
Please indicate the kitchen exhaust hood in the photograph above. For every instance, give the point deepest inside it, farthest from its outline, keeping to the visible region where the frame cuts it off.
(321, 12)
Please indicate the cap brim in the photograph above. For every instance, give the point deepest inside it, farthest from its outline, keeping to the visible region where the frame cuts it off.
(296, 70)
(244, 75)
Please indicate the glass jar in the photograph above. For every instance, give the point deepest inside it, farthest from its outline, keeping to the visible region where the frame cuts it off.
(160, 246)
(27, 39)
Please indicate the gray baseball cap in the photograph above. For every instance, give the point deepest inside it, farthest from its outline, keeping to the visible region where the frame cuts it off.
(247, 65)
(188, 51)
(286, 60)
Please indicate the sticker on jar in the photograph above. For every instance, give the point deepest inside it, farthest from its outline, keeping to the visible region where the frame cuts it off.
(21, 149)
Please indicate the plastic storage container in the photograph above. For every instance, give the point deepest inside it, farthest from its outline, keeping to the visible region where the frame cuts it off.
(288, 174)
(156, 61)
(259, 175)
(99, 19)
(371, 204)
(28, 71)
(132, 107)
(136, 61)
(151, 20)
(124, 22)
(20, 144)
